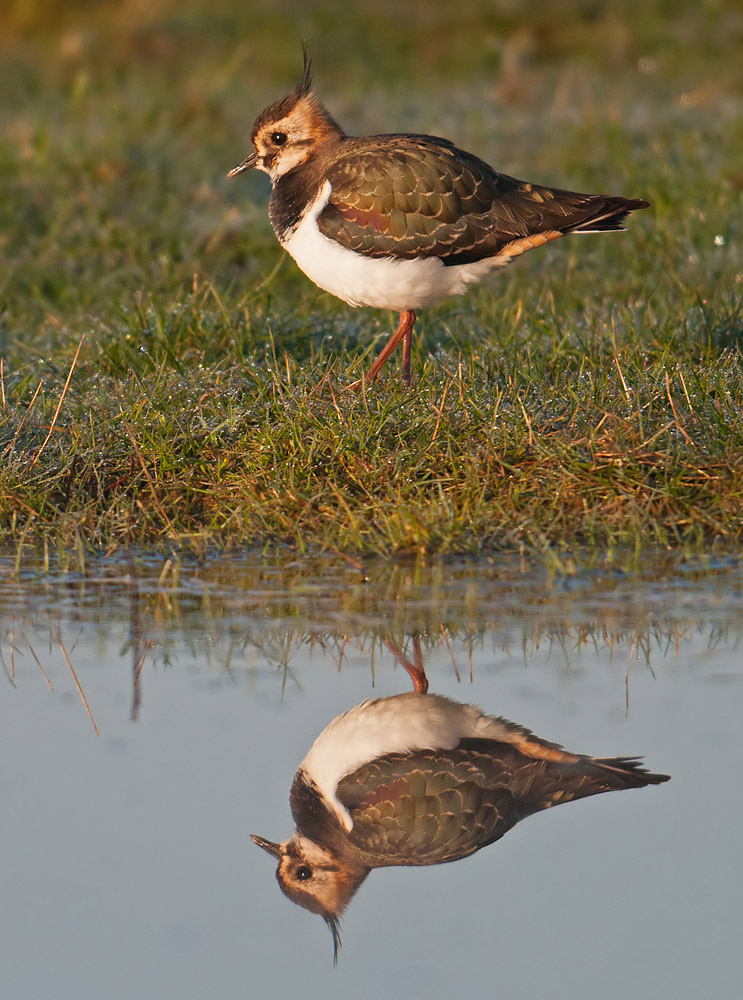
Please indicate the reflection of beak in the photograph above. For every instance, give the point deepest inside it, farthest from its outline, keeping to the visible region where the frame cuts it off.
(268, 845)
(246, 164)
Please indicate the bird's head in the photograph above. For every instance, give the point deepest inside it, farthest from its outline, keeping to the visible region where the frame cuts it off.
(316, 878)
(290, 131)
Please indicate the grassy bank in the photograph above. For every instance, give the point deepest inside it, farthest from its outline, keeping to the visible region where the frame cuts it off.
(168, 378)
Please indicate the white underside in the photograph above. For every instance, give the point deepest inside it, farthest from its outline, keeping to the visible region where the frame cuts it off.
(398, 724)
(380, 282)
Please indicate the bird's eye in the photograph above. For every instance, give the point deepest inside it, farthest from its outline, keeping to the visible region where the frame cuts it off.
(303, 873)
(278, 138)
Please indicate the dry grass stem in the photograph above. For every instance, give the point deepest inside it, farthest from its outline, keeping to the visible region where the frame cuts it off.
(61, 401)
(77, 685)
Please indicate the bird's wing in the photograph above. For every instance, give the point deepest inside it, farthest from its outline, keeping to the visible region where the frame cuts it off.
(416, 196)
(428, 807)
(431, 806)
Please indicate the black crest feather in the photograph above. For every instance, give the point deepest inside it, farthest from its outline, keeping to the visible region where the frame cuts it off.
(305, 84)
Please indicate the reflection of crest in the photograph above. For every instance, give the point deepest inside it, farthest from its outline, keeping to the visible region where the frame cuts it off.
(418, 779)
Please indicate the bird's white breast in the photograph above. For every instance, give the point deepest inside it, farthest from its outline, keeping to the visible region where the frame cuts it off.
(398, 724)
(380, 282)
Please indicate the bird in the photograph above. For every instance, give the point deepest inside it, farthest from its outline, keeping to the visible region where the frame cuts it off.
(420, 779)
(402, 221)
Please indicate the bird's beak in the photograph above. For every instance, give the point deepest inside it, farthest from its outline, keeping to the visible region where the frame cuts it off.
(268, 845)
(246, 164)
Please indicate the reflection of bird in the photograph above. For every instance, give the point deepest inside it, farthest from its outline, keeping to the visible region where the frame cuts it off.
(418, 779)
(402, 221)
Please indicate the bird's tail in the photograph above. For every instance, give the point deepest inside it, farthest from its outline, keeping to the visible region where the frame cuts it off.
(605, 214)
(584, 776)
(627, 772)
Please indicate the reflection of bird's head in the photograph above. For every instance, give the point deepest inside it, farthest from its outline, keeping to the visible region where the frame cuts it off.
(316, 878)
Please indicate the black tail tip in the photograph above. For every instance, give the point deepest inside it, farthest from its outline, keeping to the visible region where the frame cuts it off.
(631, 767)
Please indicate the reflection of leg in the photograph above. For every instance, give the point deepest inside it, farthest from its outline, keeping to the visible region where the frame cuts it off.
(420, 681)
(415, 670)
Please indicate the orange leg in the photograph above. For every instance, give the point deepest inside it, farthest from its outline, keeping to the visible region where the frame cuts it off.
(406, 342)
(403, 332)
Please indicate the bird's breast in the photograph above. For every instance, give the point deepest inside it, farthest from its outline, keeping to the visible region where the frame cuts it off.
(360, 280)
(399, 724)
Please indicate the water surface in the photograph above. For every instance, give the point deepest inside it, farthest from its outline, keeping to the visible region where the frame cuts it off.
(128, 871)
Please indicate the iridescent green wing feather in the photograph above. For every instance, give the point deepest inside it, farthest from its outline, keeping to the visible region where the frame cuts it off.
(409, 196)
(432, 806)
(414, 196)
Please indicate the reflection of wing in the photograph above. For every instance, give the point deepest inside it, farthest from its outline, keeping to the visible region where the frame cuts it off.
(429, 806)
(433, 806)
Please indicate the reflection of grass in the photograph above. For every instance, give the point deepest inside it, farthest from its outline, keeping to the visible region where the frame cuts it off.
(235, 653)
(593, 393)
(248, 618)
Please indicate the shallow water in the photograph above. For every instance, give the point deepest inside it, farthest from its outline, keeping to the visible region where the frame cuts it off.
(127, 870)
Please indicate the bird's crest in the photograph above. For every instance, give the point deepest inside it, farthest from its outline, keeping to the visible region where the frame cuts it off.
(305, 84)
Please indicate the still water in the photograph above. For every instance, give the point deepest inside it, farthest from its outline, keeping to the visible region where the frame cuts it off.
(154, 711)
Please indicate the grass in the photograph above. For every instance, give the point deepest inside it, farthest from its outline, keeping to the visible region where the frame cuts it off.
(168, 378)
